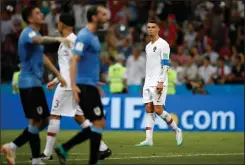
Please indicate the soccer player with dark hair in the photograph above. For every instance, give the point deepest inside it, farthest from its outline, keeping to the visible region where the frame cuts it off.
(156, 83)
(84, 72)
(63, 100)
(30, 50)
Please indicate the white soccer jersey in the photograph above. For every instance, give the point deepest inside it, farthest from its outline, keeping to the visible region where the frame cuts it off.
(64, 59)
(155, 53)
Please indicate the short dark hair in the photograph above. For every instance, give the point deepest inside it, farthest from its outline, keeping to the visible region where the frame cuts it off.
(26, 13)
(207, 58)
(221, 59)
(93, 10)
(152, 21)
(67, 19)
(238, 57)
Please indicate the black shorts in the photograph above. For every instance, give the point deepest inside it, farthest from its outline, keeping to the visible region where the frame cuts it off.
(90, 102)
(34, 103)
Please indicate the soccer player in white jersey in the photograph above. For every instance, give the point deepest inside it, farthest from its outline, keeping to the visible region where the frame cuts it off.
(63, 101)
(156, 82)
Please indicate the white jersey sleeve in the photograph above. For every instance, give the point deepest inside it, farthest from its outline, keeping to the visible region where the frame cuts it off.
(165, 52)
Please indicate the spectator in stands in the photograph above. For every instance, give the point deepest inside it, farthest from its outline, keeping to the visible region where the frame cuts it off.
(196, 56)
(222, 72)
(6, 22)
(15, 80)
(237, 72)
(180, 57)
(117, 76)
(179, 70)
(190, 36)
(206, 71)
(135, 66)
(213, 56)
(125, 49)
(225, 51)
(106, 61)
(17, 20)
(190, 70)
(51, 20)
(80, 13)
(131, 13)
(197, 87)
(172, 78)
(111, 42)
(171, 30)
(43, 6)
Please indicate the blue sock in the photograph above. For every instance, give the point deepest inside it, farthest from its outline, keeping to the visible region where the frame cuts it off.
(34, 140)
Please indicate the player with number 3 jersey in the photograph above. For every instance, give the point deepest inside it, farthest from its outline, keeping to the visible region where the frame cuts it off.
(63, 101)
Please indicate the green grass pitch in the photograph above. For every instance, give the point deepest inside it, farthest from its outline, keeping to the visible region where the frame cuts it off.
(198, 148)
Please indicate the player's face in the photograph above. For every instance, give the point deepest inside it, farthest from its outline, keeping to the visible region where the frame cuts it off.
(37, 17)
(220, 63)
(152, 29)
(60, 27)
(102, 17)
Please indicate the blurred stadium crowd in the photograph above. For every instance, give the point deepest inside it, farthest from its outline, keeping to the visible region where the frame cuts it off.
(206, 37)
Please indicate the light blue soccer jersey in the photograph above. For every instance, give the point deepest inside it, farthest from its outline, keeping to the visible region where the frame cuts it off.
(31, 57)
(87, 46)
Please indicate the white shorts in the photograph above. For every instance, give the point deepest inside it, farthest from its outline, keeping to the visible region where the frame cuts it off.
(150, 95)
(64, 104)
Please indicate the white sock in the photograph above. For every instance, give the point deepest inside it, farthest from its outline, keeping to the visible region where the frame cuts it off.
(166, 117)
(85, 124)
(53, 130)
(150, 122)
(12, 146)
(103, 146)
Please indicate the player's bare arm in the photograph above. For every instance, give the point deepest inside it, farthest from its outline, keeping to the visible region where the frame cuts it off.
(51, 67)
(49, 40)
(73, 72)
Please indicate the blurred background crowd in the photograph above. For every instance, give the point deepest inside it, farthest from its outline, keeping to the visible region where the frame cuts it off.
(206, 37)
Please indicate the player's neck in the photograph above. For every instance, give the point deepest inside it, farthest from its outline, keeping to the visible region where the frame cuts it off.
(35, 27)
(154, 39)
(66, 33)
(92, 27)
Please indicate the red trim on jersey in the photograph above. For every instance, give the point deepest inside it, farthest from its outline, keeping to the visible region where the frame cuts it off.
(51, 134)
(170, 121)
(147, 128)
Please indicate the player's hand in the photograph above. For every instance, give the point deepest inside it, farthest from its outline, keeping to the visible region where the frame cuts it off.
(159, 87)
(102, 93)
(62, 81)
(101, 83)
(76, 92)
(65, 41)
(51, 85)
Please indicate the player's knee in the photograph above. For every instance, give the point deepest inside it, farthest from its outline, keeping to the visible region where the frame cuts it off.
(158, 109)
(99, 123)
(149, 108)
(79, 119)
(55, 117)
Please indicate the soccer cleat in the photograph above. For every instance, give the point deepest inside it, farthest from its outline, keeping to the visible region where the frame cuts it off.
(9, 153)
(44, 157)
(37, 161)
(104, 154)
(61, 154)
(145, 143)
(179, 137)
